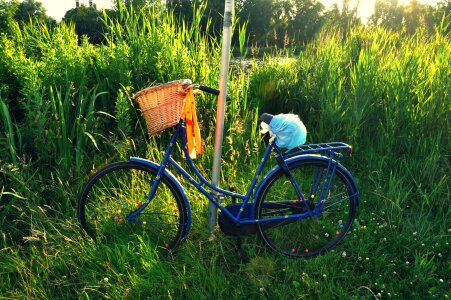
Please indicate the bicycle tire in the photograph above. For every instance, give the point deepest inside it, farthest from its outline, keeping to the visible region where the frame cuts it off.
(119, 188)
(306, 238)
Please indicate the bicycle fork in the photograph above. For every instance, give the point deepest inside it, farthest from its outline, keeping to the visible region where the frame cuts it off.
(154, 183)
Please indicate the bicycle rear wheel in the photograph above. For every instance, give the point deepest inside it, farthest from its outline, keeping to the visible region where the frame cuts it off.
(314, 235)
(120, 188)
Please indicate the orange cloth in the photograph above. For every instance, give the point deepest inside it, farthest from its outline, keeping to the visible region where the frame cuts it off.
(194, 141)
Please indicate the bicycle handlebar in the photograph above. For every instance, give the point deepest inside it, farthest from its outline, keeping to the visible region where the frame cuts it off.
(187, 84)
(208, 90)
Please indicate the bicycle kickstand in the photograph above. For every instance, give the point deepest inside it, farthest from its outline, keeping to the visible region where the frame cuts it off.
(240, 253)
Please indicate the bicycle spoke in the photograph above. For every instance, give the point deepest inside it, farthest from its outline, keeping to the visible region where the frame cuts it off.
(305, 236)
(122, 188)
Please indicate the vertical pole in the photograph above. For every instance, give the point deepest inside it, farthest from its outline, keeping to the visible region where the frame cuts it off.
(225, 56)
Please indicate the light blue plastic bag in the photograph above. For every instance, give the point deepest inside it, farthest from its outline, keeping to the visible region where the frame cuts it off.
(289, 130)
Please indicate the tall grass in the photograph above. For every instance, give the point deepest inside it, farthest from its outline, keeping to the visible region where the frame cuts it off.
(389, 96)
(66, 110)
(7, 124)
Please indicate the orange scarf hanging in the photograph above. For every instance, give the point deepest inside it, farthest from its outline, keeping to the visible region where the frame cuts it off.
(193, 138)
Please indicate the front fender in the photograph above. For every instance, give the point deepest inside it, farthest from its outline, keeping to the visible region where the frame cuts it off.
(174, 181)
(307, 157)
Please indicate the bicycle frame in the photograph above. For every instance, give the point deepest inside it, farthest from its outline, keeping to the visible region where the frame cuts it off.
(218, 192)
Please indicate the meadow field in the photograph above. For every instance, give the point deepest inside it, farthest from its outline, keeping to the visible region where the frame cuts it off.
(66, 110)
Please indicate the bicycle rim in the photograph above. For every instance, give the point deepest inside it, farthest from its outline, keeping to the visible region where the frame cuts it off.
(120, 188)
(314, 235)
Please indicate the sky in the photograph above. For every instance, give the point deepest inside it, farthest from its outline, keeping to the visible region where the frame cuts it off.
(57, 8)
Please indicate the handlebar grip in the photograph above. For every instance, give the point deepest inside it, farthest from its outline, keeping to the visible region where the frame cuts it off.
(209, 90)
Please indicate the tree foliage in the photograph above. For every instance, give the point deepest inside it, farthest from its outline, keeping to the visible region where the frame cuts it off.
(22, 12)
(268, 22)
(87, 21)
(7, 12)
(408, 18)
(29, 9)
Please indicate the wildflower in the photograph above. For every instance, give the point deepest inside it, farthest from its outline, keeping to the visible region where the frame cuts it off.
(343, 254)
(440, 280)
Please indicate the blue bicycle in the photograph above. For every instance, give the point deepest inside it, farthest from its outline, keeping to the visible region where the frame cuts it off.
(302, 207)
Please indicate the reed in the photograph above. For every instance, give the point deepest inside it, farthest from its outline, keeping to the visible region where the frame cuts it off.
(10, 141)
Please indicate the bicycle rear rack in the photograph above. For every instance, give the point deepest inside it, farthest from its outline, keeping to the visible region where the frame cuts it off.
(327, 149)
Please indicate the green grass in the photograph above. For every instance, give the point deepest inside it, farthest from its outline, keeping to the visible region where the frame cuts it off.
(67, 110)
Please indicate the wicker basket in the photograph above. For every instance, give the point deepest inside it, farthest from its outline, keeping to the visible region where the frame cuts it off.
(161, 105)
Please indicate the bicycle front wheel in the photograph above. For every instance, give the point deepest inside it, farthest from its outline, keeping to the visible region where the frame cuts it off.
(311, 236)
(120, 188)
